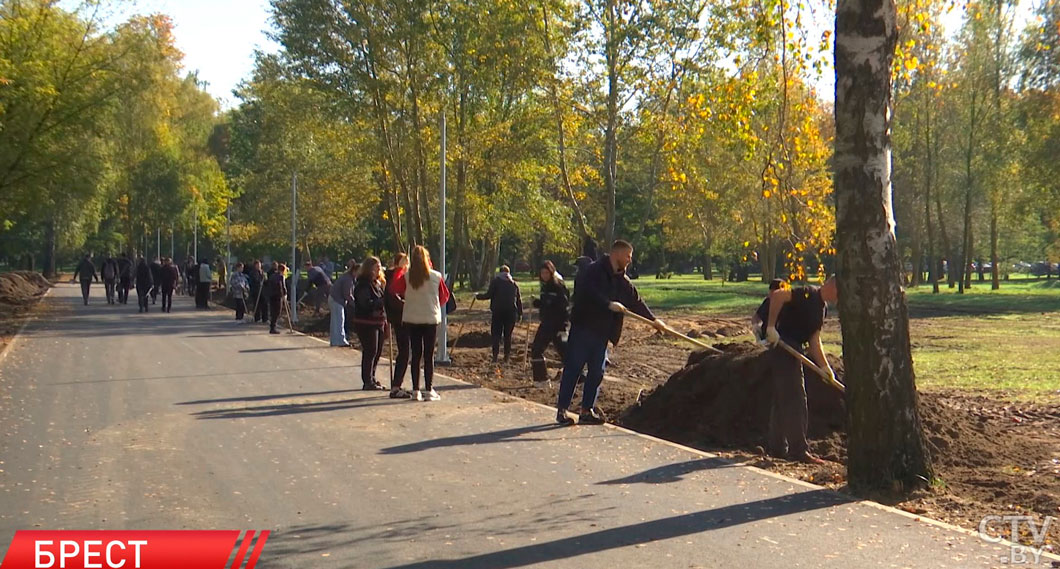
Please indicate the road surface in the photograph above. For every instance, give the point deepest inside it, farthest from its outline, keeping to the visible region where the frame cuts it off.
(119, 420)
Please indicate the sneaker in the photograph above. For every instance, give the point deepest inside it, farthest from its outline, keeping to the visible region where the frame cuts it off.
(400, 394)
(591, 417)
(563, 418)
(433, 396)
(417, 395)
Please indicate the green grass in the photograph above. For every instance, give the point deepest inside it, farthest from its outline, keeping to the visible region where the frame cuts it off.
(1005, 341)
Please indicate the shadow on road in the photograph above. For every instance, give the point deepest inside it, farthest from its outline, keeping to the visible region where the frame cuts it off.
(292, 408)
(645, 532)
(671, 472)
(506, 435)
(202, 375)
(264, 397)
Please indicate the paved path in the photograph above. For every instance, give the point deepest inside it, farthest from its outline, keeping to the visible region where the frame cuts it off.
(117, 420)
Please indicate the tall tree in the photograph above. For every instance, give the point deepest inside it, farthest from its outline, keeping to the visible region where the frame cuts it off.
(886, 446)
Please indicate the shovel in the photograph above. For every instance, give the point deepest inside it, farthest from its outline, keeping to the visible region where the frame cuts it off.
(671, 331)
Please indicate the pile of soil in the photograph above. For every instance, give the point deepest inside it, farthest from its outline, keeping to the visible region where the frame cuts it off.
(22, 287)
(724, 399)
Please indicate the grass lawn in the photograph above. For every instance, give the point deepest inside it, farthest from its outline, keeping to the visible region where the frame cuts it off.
(1006, 340)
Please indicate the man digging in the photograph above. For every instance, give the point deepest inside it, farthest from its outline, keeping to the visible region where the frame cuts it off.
(795, 318)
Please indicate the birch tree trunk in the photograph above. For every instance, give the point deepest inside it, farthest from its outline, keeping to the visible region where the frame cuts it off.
(886, 444)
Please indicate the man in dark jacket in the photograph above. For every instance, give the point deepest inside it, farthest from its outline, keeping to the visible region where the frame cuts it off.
(170, 278)
(554, 305)
(109, 272)
(86, 272)
(276, 289)
(602, 293)
(506, 308)
(144, 282)
(125, 277)
(156, 276)
(256, 279)
(319, 284)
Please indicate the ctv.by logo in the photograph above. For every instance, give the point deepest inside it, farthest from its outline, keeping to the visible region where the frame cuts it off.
(1018, 554)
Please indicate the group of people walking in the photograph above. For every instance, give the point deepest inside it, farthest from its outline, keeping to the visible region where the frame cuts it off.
(122, 275)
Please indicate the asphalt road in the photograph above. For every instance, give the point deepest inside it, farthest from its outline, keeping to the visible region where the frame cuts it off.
(119, 420)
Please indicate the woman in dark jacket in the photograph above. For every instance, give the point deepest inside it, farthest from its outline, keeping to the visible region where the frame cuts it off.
(394, 304)
(369, 319)
(554, 305)
(144, 282)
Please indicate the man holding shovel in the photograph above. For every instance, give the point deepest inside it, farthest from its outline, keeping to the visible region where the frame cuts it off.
(602, 294)
(795, 318)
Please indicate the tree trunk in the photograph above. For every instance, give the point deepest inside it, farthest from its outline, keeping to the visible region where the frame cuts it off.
(49, 249)
(995, 277)
(886, 448)
(611, 35)
(969, 182)
(933, 275)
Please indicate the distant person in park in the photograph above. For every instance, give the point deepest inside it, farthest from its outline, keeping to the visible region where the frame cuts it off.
(395, 305)
(506, 308)
(144, 283)
(170, 278)
(276, 289)
(125, 277)
(602, 292)
(554, 310)
(758, 319)
(86, 273)
(156, 276)
(425, 293)
(369, 319)
(109, 271)
(191, 278)
(256, 280)
(340, 299)
(205, 283)
(795, 317)
(319, 285)
(222, 273)
(238, 289)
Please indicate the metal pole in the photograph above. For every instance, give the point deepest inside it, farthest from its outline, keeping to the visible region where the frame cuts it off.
(293, 314)
(171, 250)
(228, 235)
(442, 356)
(195, 235)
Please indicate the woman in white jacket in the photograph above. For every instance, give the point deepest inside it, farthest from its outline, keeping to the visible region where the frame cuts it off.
(425, 295)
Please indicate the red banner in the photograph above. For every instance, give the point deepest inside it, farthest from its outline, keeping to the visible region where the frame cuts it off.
(135, 549)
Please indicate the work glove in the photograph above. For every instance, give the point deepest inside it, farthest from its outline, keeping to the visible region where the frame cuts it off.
(616, 307)
(659, 324)
(772, 336)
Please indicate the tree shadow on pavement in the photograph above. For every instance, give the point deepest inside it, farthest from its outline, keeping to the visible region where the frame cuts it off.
(221, 374)
(671, 472)
(265, 397)
(291, 409)
(640, 533)
(507, 435)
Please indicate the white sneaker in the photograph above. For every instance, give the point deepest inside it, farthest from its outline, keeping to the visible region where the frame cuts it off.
(433, 396)
(417, 395)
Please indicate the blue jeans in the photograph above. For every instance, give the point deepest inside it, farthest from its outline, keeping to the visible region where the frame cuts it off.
(583, 348)
(338, 323)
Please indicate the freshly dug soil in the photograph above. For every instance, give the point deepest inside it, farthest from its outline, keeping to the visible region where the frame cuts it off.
(19, 292)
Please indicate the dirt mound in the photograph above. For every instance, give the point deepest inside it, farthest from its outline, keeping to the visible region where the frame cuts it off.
(19, 287)
(473, 339)
(724, 400)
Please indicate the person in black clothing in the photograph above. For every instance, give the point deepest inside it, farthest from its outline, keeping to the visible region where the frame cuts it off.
(602, 293)
(554, 307)
(276, 290)
(109, 272)
(369, 319)
(170, 276)
(86, 272)
(506, 308)
(125, 276)
(758, 319)
(156, 276)
(795, 317)
(394, 305)
(319, 285)
(191, 277)
(144, 282)
(256, 279)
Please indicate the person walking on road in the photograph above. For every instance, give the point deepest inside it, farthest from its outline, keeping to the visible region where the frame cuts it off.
(425, 293)
(276, 289)
(109, 272)
(506, 308)
(796, 316)
(395, 304)
(156, 276)
(86, 273)
(144, 283)
(339, 300)
(239, 289)
(191, 278)
(602, 293)
(222, 273)
(554, 307)
(170, 278)
(205, 283)
(369, 319)
(125, 278)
